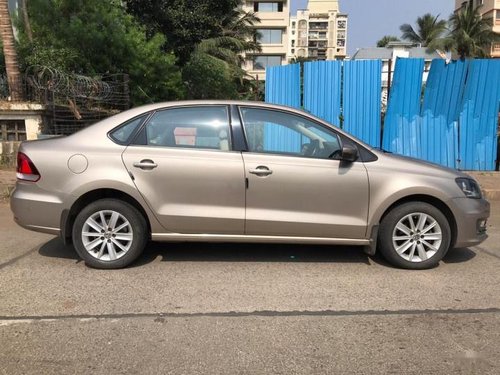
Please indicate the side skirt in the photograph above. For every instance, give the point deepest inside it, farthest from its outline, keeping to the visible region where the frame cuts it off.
(177, 237)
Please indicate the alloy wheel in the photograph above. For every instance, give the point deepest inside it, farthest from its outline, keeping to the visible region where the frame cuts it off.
(417, 237)
(107, 235)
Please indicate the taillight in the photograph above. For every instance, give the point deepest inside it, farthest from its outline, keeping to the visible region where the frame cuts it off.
(26, 170)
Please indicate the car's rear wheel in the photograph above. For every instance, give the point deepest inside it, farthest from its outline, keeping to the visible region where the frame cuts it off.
(109, 233)
(414, 235)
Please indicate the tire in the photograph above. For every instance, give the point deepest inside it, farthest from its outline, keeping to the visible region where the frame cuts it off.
(101, 246)
(419, 247)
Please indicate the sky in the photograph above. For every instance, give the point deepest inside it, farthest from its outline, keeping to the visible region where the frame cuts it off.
(370, 20)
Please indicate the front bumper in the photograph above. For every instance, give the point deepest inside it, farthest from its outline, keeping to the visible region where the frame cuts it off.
(469, 215)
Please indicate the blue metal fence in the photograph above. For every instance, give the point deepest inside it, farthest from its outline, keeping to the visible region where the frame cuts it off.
(402, 120)
(283, 85)
(441, 106)
(479, 116)
(451, 121)
(322, 89)
(362, 91)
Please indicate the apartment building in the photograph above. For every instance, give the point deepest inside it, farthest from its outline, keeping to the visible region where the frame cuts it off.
(273, 30)
(318, 32)
(489, 9)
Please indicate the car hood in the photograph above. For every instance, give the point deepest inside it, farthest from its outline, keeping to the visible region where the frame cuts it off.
(418, 166)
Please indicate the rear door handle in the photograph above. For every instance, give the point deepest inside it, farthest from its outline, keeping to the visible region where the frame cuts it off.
(261, 171)
(145, 164)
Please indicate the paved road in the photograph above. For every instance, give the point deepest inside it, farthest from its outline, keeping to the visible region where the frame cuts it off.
(246, 309)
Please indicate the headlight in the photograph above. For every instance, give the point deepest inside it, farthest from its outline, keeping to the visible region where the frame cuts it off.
(469, 187)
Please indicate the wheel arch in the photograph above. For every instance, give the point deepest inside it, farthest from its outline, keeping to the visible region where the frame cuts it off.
(436, 202)
(68, 216)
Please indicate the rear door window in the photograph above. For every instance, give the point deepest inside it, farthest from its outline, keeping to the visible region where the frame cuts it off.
(189, 127)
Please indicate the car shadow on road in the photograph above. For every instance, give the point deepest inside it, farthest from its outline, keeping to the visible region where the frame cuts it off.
(459, 255)
(55, 248)
(244, 252)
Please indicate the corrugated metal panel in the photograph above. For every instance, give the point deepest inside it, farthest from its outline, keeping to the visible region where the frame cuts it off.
(322, 89)
(402, 121)
(479, 116)
(281, 139)
(362, 91)
(283, 85)
(443, 97)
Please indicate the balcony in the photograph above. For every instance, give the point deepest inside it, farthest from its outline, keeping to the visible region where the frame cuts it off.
(318, 25)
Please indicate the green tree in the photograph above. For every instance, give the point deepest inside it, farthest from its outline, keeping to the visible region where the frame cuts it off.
(95, 36)
(470, 34)
(429, 30)
(185, 22)
(386, 39)
(208, 78)
(225, 53)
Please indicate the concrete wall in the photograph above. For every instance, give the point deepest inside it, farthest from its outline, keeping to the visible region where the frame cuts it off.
(31, 113)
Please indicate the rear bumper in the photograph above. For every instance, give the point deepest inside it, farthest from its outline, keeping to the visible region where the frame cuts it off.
(469, 214)
(36, 209)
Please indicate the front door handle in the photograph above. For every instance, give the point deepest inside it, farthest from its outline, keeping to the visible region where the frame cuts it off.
(261, 171)
(146, 164)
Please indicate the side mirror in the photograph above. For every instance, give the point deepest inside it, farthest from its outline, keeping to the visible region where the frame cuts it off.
(349, 154)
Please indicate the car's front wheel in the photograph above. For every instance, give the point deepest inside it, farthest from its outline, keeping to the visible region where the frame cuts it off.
(414, 235)
(109, 233)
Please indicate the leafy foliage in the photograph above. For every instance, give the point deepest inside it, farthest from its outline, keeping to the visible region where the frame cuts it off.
(186, 22)
(470, 34)
(95, 36)
(208, 78)
(429, 29)
(386, 40)
(224, 53)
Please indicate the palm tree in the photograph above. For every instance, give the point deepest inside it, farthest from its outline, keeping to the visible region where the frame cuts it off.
(9, 50)
(470, 34)
(26, 20)
(428, 31)
(386, 39)
(237, 38)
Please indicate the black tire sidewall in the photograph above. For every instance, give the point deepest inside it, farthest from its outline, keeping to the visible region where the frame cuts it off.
(136, 220)
(390, 221)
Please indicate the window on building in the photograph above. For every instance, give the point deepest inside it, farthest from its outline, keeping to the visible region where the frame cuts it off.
(12, 130)
(270, 36)
(340, 42)
(268, 6)
(264, 61)
(293, 51)
(293, 24)
(341, 24)
(293, 42)
(498, 17)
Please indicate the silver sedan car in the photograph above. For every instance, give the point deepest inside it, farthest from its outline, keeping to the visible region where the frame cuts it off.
(239, 172)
